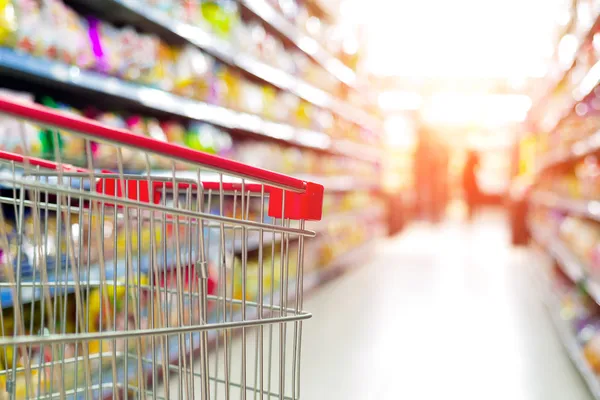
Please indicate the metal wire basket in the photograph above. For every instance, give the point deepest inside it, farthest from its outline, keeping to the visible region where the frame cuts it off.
(146, 283)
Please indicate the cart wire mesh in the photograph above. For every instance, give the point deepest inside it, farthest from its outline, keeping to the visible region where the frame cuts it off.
(147, 270)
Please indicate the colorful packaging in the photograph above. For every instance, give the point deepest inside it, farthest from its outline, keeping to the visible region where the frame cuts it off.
(18, 136)
(226, 90)
(68, 34)
(105, 41)
(30, 27)
(8, 23)
(132, 159)
(105, 155)
(193, 74)
(221, 15)
(71, 148)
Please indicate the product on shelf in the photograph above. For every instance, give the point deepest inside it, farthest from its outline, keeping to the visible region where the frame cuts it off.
(187, 71)
(12, 131)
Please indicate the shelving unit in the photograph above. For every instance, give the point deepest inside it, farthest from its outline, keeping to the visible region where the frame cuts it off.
(137, 14)
(341, 152)
(560, 76)
(75, 79)
(573, 349)
(570, 344)
(568, 262)
(307, 44)
(575, 271)
(586, 208)
(557, 180)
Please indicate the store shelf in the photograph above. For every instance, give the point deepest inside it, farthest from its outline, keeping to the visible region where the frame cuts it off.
(311, 47)
(32, 289)
(585, 208)
(580, 149)
(583, 38)
(570, 264)
(141, 15)
(307, 44)
(572, 268)
(75, 79)
(571, 345)
(565, 333)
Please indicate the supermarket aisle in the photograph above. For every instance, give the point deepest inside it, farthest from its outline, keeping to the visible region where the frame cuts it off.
(446, 312)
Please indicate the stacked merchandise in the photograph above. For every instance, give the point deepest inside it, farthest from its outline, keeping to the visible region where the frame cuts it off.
(559, 159)
(196, 135)
(194, 94)
(184, 70)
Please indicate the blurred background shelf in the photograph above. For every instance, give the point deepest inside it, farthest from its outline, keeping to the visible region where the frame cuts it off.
(571, 344)
(580, 149)
(240, 79)
(586, 208)
(75, 79)
(568, 262)
(135, 13)
(310, 46)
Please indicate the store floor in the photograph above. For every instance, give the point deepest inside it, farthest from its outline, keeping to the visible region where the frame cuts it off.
(438, 312)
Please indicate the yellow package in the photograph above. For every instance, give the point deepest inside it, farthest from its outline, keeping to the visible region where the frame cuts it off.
(8, 23)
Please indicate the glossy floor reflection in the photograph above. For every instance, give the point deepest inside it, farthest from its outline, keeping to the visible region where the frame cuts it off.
(438, 312)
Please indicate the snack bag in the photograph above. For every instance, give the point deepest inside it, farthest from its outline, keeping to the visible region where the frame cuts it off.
(131, 158)
(128, 43)
(30, 27)
(193, 74)
(164, 73)
(70, 147)
(269, 100)
(17, 136)
(53, 19)
(208, 138)
(104, 303)
(222, 16)
(105, 41)
(252, 99)
(73, 43)
(155, 130)
(202, 137)
(8, 23)
(67, 33)
(145, 58)
(105, 156)
(303, 114)
(174, 131)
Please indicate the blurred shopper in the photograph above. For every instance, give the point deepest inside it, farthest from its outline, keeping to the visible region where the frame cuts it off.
(423, 174)
(471, 191)
(440, 181)
(431, 176)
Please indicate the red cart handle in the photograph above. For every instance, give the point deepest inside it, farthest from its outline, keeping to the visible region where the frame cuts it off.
(297, 205)
(96, 131)
(303, 200)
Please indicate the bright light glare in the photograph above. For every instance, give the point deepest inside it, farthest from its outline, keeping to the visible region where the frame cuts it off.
(567, 47)
(588, 83)
(490, 141)
(399, 132)
(390, 101)
(491, 109)
(461, 38)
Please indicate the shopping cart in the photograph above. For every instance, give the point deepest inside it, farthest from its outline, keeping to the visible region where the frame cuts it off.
(147, 284)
